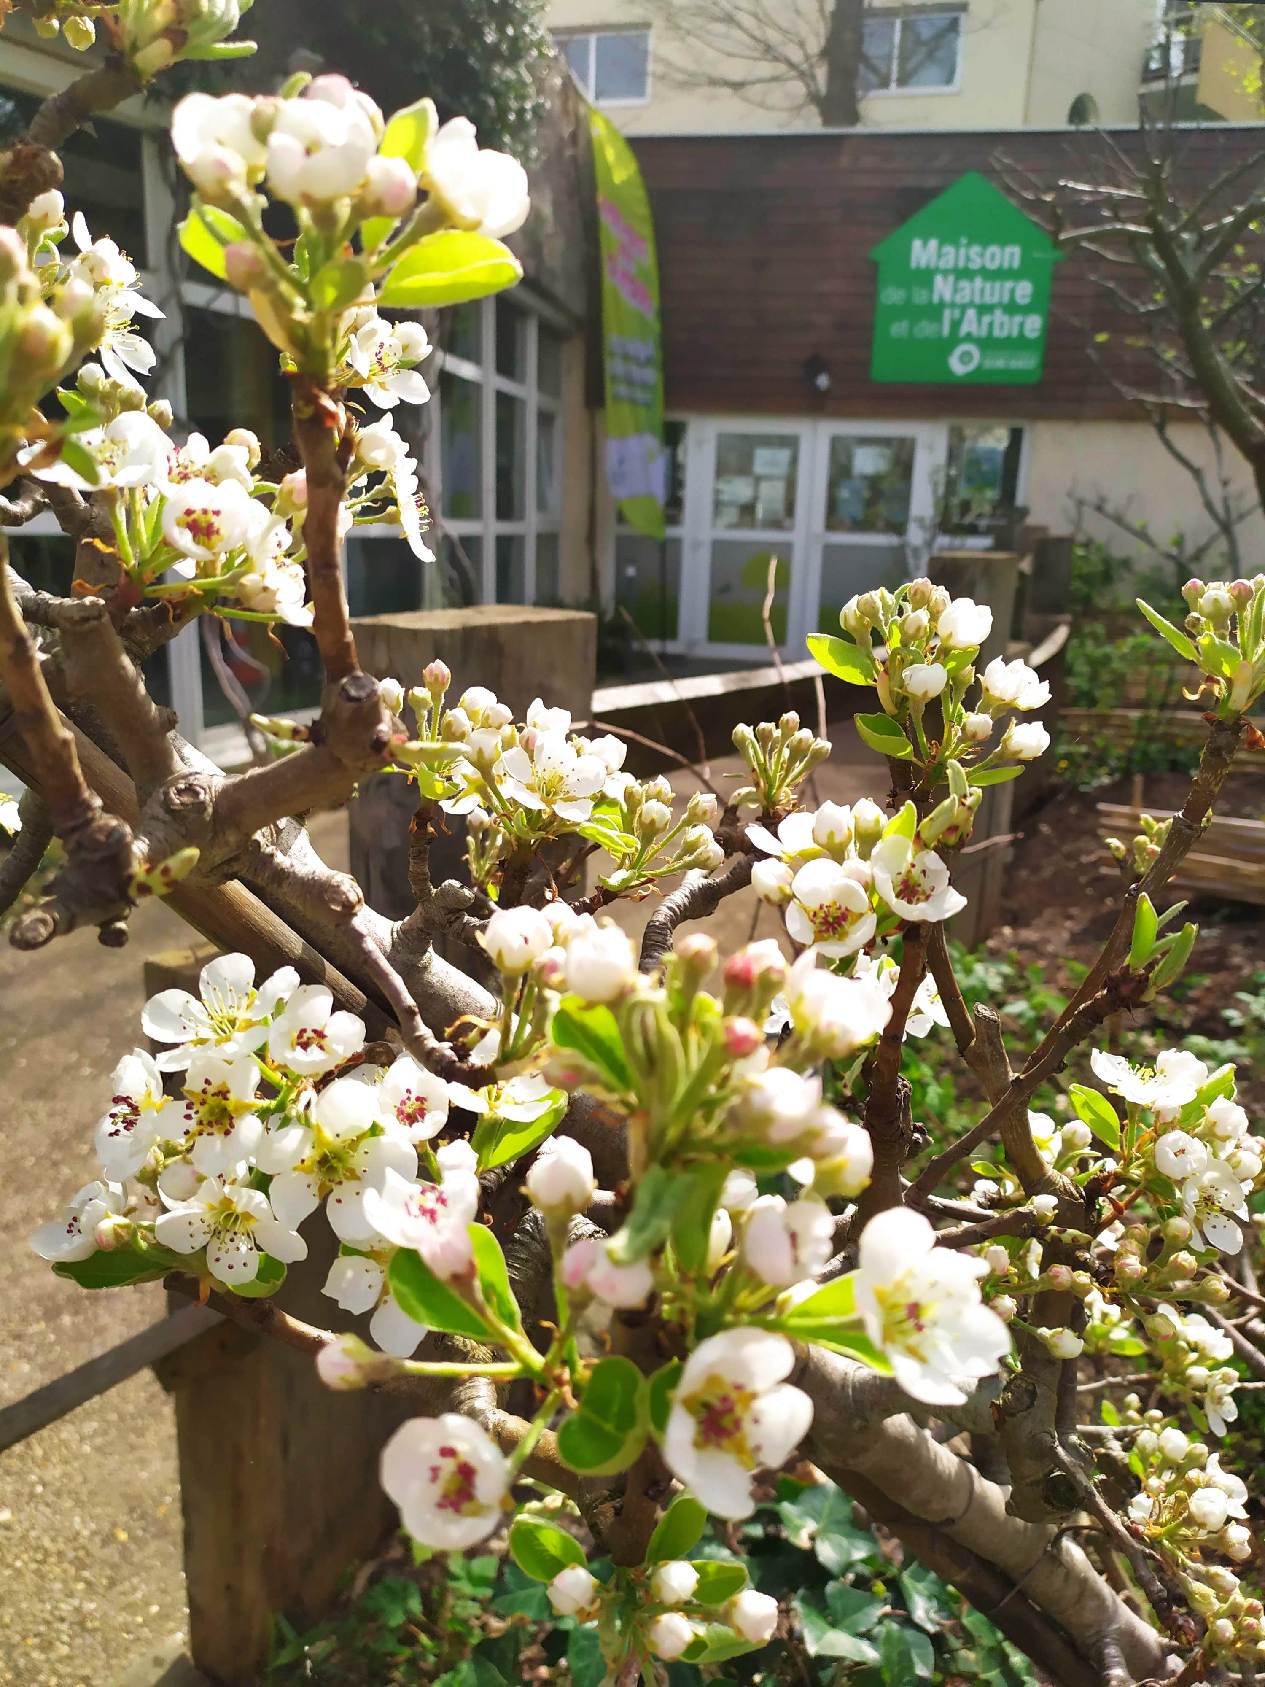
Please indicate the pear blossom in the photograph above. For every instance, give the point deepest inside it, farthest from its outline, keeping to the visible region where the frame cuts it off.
(476, 187)
(964, 625)
(914, 883)
(1024, 742)
(320, 144)
(669, 1635)
(1212, 1199)
(114, 281)
(138, 1115)
(830, 908)
(601, 964)
(449, 1479)
(309, 1037)
(233, 1222)
(73, 1236)
(795, 839)
(560, 1179)
(921, 1304)
(131, 450)
(771, 881)
(573, 1591)
(838, 1015)
(229, 1016)
(276, 587)
(1012, 685)
(216, 143)
(522, 1099)
(202, 520)
(433, 1218)
(382, 356)
(358, 1283)
(586, 1265)
(1174, 1080)
(785, 1242)
(1179, 1155)
(338, 1154)
(554, 777)
(514, 939)
(733, 1413)
(1227, 1120)
(410, 1098)
(217, 1120)
(753, 1615)
(233, 459)
(10, 815)
(924, 680)
(779, 1103)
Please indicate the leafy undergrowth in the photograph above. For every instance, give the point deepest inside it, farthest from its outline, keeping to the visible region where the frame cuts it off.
(853, 1613)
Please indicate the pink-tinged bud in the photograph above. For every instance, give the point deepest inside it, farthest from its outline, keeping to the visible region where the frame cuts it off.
(44, 342)
(340, 1364)
(742, 1037)
(244, 266)
(294, 489)
(698, 951)
(437, 677)
(1129, 1269)
(1059, 1277)
(759, 963)
(1241, 592)
(391, 188)
(1005, 1306)
(110, 1233)
(1193, 590)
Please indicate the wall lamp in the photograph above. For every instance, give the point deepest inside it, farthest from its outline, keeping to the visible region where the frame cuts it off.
(817, 373)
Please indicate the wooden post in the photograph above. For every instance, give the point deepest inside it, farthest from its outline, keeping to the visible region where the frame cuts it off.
(278, 1475)
(518, 651)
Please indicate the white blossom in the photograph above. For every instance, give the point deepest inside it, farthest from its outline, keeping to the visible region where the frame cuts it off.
(921, 1305)
(601, 964)
(233, 1222)
(115, 284)
(477, 188)
(1012, 685)
(138, 1115)
(964, 625)
(1179, 1155)
(382, 356)
(338, 1154)
(794, 841)
(1212, 1200)
(320, 144)
(587, 1265)
(73, 1236)
(448, 1478)
(573, 1591)
(924, 680)
(217, 1121)
(673, 1582)
(553, 777)
(560, 1179)
(732, 1414)
(229, 1016)
(310, 1037)
(412, 1099)
(914, 883)
(669, 1635)
(839, 1015)
(1024, 742)
(515, 939)
(215, 141)
(433, 1218)
(203, 520)
(358, 1283)
(786, 1242)
(131, 450)
(1166, 1088)
(830, 908)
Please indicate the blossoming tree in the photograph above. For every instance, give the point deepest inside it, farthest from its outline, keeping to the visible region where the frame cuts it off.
(642, 1224)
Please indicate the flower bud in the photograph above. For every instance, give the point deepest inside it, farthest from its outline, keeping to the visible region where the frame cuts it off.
(753, 1615)
(514, 939)
(1173, 1444)
(697, 952)
(346, 1363)
(390, 188)
(601, 964)
(1005, 1306)
(1044, 1208)
(915, 626)
(997, 1259)
(45, 211)
(653, 818)
(1059, 1278)
(244, 266)
(573, 1590)
(80, 33)
(669, 1635)
(1076, 1135)
(560, 1179)
(977, 728)
(392, 694)
(1062, 1342)
(742, 1037)
(771, 881)
(1193, 590)
(437, 677)
(673, 1583)
(719, 1239)
(1082, 1284)
(918, 594)
(924, 680)
(868, 821)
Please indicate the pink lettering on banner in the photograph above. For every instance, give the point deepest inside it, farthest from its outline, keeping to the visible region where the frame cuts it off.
(623, 259)
(634, 244)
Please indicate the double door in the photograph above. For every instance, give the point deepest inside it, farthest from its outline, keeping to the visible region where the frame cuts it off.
(784, 521)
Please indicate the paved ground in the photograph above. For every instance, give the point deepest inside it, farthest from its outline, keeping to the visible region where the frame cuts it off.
(91, 1586)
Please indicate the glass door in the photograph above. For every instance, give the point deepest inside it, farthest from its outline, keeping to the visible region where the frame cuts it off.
(873, 510)
(751, 525)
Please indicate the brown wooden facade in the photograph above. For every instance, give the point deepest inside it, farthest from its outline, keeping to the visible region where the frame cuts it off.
(763, 253)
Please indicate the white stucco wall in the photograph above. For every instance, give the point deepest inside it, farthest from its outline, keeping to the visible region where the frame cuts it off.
(1023, 62)
(1125, 464)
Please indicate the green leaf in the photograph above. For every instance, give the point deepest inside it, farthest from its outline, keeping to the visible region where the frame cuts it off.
(718, 1580)
(835, 1299)
(661, 1195)
(853, 1609)
(692, 1228)
(820, 1517)
(591, 1029)
(1218, 656)
(1145, 927)
(449, 268)
(338, 284)
(585, 1663)
(842, 658)
(266, 1281)
(120, 1266)
(661, 1389)
(608, 1431)
(680, 1528)
(823, 1640)
(829, 1318)
(494, 1277)
(1176, 951)
(409, 134)
(204, 234)
(1221, 1083)
(499, 1142)
(542, 1550)
(906, 1655)
(929, 1601)
(714, 1642)
(81, 460)
(996, 775)
(1097, 1112)
(1180, 643)
(428, 1299)
(882, 733)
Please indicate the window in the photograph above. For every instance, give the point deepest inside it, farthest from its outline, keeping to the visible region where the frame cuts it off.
(496, 418)
(902, 50)
(610, 65)
(983, 475)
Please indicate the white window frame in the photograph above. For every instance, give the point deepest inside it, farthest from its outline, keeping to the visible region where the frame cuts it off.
(588, 83)
(897, 90)
(489, 526)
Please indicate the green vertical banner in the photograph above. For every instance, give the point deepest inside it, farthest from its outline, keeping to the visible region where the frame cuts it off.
(636, 463)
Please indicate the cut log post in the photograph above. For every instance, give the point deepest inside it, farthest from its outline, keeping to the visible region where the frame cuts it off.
(278, 1475)
(518, 651)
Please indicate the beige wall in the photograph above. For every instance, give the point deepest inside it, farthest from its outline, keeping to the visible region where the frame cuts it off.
(1125, 464)
(1023, 62)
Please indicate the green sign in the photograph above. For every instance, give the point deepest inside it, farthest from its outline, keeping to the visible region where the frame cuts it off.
(636, 463)
(963, 292)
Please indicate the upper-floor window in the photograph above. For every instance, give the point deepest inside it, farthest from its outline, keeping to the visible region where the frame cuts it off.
(609, 64)
(910, 49)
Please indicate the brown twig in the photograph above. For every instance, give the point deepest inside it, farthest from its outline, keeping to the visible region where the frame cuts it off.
(887, 1107)
(26, 851)
(320, 424)
(695, 899)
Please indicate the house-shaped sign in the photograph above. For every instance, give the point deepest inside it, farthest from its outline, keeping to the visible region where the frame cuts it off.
(963, 292)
